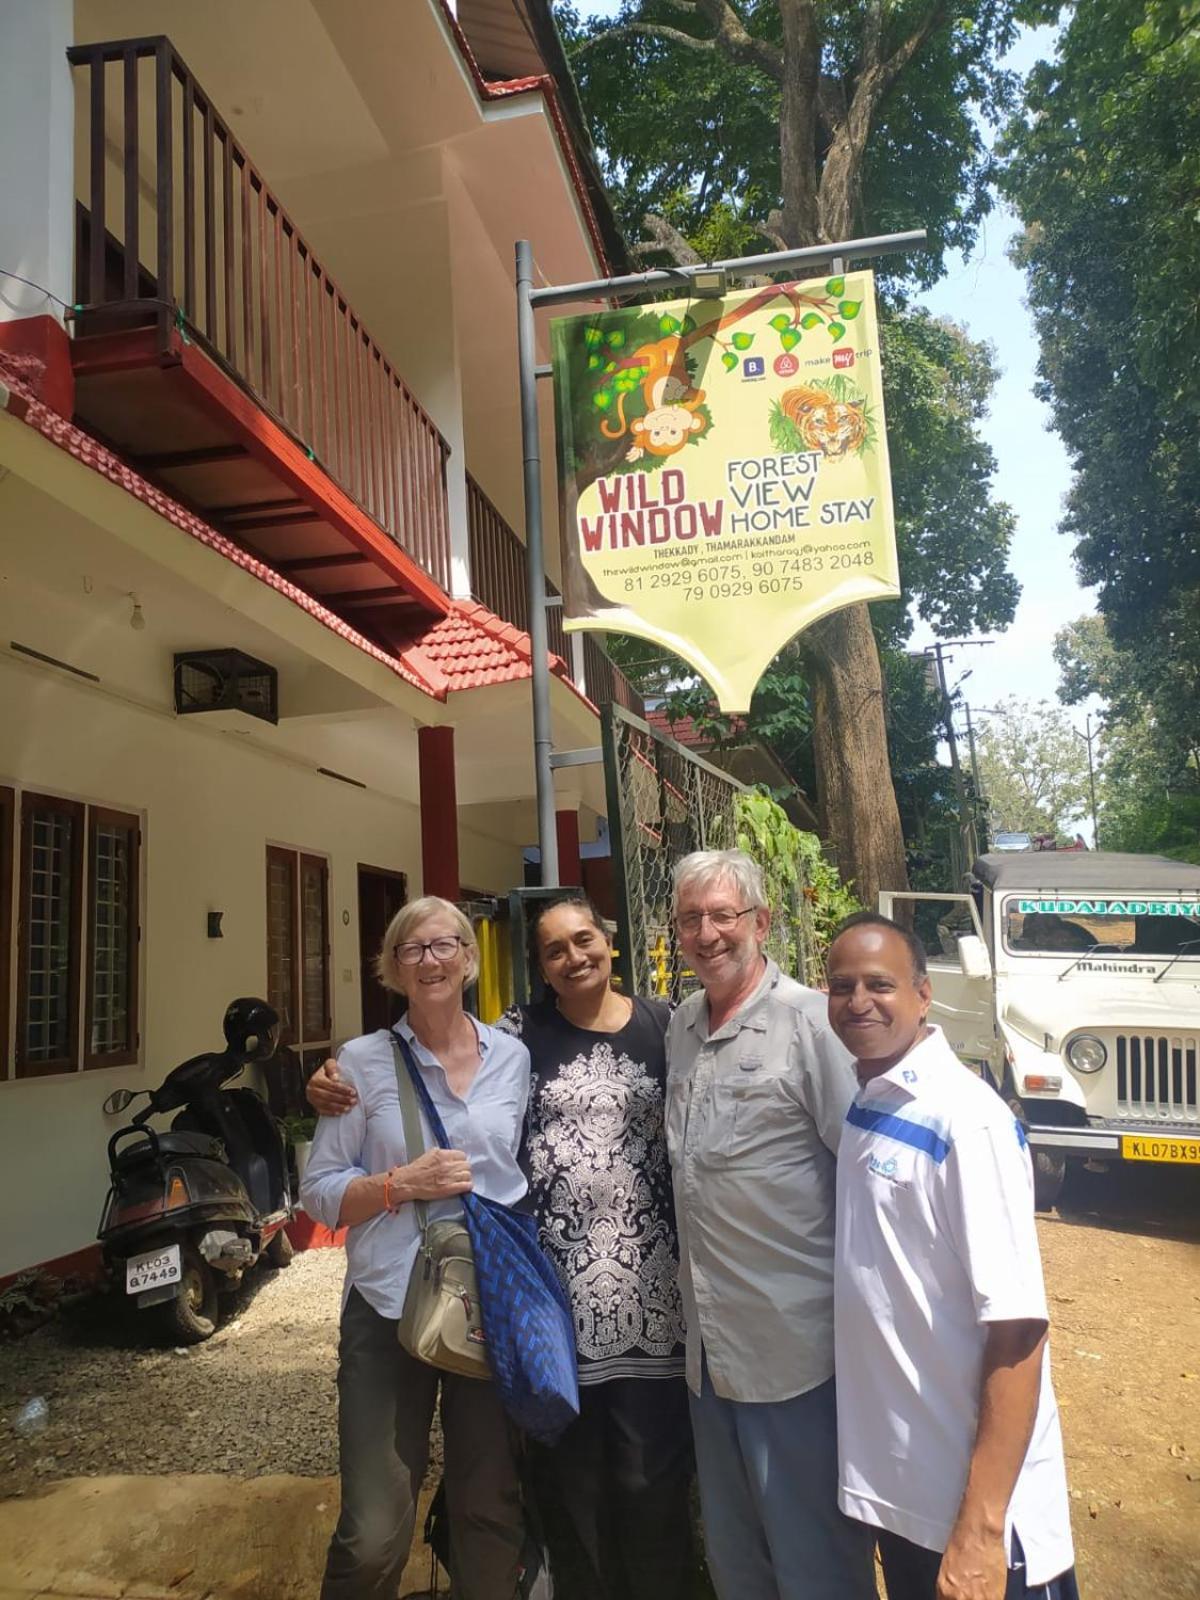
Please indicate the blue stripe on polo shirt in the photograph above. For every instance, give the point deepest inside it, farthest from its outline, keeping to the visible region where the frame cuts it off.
(890, 1126)
(1021, 1138)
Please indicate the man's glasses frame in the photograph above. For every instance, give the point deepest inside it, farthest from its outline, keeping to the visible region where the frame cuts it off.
(444, 948)
(723, 920)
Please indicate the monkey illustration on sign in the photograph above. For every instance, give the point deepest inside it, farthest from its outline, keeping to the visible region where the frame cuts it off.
(672, 416)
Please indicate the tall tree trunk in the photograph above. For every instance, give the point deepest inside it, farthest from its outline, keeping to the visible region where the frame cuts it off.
(854, 778)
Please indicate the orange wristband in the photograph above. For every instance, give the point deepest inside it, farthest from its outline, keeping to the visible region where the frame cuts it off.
(387, 1192)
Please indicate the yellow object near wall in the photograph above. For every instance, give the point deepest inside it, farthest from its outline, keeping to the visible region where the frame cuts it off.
(495, 969)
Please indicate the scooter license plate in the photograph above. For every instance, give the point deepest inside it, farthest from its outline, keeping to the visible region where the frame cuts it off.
(152, 1270)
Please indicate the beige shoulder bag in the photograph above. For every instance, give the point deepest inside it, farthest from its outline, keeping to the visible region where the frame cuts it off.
(441, 1323)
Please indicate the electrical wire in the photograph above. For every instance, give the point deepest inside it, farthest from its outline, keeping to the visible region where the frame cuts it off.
(41, 289)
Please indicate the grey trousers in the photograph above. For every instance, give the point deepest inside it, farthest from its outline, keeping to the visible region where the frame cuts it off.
(385, 1410)
(768, 1492)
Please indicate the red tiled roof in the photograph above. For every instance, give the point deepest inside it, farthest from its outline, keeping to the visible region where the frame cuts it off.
(21, 376)
(469, 648)
(472, 648)
(684, 730)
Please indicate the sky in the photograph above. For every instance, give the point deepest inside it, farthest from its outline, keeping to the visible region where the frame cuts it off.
(985, 294)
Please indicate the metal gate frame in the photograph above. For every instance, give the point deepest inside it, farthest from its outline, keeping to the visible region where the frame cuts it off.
(665, 801)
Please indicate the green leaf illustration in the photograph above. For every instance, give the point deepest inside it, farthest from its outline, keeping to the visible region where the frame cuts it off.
(790, 338)
(835, 330)
(595, 361)
(810, 319)
(689, 324)
(781, 322)
(849, 309)
(616, 339)
(729, 361)
(742, 341)
(610, 366)
(592, 337)
(602, 399)
(668, 325)
(836, 287)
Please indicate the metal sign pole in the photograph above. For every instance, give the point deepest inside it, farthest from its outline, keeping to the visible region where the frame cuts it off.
(535, 569)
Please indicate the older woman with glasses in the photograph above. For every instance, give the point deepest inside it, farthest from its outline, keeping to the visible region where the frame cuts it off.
(614, 1491)
(362, 1177)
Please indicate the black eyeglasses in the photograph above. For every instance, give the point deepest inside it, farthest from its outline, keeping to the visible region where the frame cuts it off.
(723, 920)
(444, 948)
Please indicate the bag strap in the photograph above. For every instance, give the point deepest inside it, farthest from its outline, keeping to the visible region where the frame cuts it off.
(417, 1084)
(407, 1078)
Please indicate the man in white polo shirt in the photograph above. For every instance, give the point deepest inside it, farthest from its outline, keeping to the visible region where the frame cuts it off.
(948, 1433)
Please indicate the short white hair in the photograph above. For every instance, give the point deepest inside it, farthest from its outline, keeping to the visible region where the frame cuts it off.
(705, 867)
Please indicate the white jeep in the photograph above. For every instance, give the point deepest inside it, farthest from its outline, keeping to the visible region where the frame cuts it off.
(1072, 981)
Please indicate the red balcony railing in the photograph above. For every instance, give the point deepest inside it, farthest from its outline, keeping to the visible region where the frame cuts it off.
(179, 222)
(498, 581)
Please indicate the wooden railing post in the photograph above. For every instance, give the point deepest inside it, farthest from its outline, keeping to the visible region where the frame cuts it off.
(165, 185)
(281, 326)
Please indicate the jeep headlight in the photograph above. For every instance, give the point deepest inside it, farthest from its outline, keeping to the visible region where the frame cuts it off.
(1086, 1053)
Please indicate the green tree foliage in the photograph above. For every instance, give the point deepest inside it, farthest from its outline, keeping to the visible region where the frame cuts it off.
(1104, 169)
(804, 890)
(692, 133)
(1033, 768)
(728, 129)
(1149, 782)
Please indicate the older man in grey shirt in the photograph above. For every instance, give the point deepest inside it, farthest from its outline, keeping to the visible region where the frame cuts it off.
(757, 1091)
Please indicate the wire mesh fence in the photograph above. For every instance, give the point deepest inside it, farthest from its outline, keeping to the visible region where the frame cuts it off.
(664, 802)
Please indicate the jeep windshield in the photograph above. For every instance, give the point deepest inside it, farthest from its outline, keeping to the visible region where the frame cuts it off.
(1104, 927)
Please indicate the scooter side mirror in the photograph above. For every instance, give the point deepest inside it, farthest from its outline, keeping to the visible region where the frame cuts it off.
(118, 1100)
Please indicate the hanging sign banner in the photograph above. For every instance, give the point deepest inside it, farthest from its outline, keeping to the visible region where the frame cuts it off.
(724, 471)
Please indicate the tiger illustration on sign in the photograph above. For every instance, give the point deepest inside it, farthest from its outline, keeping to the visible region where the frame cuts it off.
(834, 427)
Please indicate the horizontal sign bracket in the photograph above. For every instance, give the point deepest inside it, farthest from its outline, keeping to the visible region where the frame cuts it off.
(577, 758)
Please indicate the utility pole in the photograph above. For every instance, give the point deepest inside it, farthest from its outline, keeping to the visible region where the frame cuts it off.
(1087, 738)
(967, 843)
(980, 807)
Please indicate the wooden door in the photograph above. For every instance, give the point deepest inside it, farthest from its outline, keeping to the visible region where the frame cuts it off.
(380, 895)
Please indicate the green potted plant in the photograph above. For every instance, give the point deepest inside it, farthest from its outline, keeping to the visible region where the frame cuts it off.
(298, 1132)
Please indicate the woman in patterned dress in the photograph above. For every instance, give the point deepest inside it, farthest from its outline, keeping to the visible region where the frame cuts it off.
(614, 1491)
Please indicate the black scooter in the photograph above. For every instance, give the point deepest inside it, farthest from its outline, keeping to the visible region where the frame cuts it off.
(189, 1210)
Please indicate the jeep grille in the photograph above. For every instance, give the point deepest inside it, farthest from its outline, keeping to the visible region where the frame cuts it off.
(1156, 1076)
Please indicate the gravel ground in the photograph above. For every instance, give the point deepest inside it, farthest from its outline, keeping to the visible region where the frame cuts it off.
(120, 1406)
(1121, 1257)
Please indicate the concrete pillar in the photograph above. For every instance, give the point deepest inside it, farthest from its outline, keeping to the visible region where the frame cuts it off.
(570, 866)
(439, 812)
(37, 156)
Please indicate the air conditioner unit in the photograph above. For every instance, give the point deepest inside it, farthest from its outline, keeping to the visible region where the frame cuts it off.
(225, 680)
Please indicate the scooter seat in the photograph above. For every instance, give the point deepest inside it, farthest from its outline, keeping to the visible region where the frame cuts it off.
(176, 1142)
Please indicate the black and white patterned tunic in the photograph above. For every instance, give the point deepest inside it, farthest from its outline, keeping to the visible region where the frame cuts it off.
(596, 1154)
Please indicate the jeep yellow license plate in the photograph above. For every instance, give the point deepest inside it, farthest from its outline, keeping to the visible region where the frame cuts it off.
(1144, 1147)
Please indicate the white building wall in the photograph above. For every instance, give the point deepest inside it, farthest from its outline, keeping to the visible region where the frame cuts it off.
(36, 157)
(209, 810)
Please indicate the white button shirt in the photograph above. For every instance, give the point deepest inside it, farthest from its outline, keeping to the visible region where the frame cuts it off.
(935, 1240)
(754, 1114)
(487, 1125)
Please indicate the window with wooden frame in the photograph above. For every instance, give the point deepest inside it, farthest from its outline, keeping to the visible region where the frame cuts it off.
(111, 1012)
(298, 973)
(74, 887)
(50, 936)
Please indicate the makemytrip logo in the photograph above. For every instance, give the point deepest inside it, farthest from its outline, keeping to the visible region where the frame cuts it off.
(843, 358)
